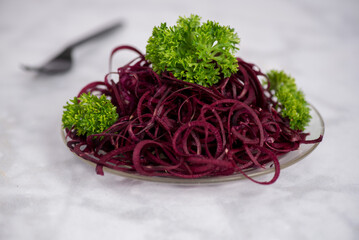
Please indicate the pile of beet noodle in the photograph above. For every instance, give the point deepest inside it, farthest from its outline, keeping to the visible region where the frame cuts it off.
(171, 128)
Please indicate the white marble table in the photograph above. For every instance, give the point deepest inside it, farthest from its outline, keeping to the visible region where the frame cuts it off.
(46, 193)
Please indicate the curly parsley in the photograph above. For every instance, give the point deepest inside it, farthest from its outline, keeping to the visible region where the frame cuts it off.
(194, 52)
(292, 103)
(89, 114)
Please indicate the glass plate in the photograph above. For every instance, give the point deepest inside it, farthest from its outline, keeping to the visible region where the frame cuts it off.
(315, 129)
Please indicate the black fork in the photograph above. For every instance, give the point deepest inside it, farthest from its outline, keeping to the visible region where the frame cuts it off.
(62, 62)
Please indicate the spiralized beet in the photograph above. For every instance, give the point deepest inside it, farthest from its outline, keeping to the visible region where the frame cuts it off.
(171, 128)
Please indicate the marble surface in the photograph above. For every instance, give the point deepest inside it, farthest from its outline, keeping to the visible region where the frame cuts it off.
(46, 193)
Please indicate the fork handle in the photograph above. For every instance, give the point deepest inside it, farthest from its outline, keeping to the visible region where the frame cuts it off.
(94, 35)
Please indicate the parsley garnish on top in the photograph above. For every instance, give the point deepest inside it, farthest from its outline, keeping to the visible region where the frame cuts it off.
(194, 52)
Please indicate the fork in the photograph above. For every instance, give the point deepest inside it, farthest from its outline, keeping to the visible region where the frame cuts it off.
(62, 62)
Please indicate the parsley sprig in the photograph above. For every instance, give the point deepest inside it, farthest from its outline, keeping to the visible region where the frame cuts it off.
(292, 103)
(194, 52)
(89, 114)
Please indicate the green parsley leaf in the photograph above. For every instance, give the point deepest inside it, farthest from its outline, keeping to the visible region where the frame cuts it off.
(292, 103)
(89, 114)
(194, 52)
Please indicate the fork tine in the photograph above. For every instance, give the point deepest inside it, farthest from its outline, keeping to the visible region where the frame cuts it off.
(29, 68)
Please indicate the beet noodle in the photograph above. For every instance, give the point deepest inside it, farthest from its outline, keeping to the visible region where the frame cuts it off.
(171, 128)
